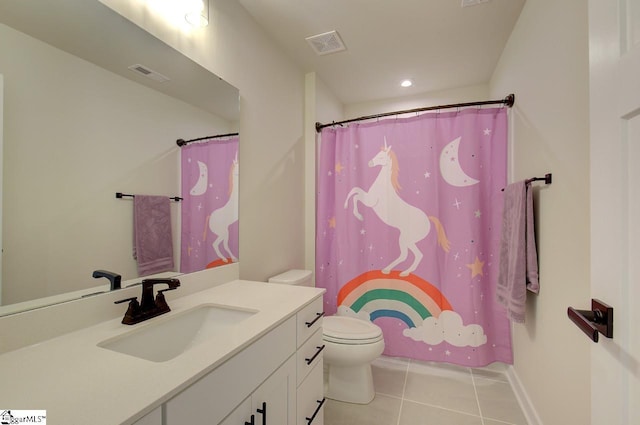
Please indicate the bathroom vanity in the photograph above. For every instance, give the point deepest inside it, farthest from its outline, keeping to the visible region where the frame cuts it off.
(258, 353)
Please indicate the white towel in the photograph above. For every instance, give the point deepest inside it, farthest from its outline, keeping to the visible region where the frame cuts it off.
(518, 258)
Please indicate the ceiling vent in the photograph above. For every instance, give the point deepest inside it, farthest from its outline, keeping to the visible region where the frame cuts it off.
(467, 3)
(329, 42)
(149, 73)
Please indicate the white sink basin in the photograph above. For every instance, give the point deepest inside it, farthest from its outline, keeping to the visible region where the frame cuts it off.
(166, 339)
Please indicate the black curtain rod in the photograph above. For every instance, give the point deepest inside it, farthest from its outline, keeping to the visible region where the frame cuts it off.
(121, 195)
(508, 101)
(182, 142)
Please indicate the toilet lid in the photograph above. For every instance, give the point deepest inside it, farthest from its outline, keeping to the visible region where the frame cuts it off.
(344, 329)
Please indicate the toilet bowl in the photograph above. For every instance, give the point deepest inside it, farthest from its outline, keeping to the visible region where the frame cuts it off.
(350, 346)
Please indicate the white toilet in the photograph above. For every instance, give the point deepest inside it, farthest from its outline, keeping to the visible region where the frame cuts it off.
(350, 346)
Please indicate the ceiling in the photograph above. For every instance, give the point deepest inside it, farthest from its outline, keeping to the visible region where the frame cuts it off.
(436, 43)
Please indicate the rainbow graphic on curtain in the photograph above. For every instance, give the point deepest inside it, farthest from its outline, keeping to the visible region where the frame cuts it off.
(409, 300)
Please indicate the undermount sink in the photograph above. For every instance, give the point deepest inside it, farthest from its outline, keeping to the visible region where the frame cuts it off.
(173, 335)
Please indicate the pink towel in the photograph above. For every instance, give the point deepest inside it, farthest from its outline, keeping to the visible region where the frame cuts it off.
(152, 240)
(518, 258)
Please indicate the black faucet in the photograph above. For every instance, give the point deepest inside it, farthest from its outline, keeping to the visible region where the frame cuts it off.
(114, 278)
(148, 306)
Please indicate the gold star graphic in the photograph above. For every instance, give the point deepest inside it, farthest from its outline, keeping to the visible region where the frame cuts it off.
(332, 222)
(476, 267)
(339, 168)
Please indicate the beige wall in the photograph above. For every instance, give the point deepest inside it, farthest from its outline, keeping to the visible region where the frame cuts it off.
(442, 97)
(74, 134)
(321, 105)
(272, 148)
(545, 63)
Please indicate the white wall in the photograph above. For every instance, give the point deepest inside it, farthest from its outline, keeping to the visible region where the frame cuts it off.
(443, 97)
(74, 135)
(321, 105)
(545, 64)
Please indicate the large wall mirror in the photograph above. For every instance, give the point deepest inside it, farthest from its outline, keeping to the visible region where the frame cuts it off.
(79, 126)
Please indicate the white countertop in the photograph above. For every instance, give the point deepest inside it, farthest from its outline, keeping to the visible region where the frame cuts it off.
(77, 382)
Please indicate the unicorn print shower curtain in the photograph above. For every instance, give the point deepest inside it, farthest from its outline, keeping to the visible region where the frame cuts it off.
(408, 229)
(209, 228)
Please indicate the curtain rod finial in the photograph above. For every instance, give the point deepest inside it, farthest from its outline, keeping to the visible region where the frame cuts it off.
(510, 100)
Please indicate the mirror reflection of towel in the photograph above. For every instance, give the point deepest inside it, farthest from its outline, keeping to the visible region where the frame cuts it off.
(152, 239)
(518, 257)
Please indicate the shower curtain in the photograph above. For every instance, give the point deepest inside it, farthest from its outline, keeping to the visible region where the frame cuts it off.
(408, 228)
(209, 227)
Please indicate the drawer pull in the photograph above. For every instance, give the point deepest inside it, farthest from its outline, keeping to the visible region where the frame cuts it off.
(263, 411)
(318, 316)
(320, 403)
(309, 361)
(253, 421)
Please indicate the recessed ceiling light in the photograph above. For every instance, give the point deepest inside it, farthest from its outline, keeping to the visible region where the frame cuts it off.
(406, 83)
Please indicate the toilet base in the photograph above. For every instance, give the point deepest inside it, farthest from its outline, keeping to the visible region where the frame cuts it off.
(350, 384)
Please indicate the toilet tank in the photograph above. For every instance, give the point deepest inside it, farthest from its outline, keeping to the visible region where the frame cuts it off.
(294, 277)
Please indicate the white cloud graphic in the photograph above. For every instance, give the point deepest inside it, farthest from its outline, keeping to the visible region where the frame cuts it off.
(346, 311)
(448, 327)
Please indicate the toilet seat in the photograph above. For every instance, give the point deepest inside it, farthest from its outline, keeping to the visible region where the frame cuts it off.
(350, 331)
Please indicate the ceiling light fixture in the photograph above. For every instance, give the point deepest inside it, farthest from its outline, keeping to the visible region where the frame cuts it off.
(406, 83)
(197, 13)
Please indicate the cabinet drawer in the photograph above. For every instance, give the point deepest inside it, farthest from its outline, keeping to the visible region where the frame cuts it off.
(310, 398)
(213, 397)
(309, 320)
(309, 355)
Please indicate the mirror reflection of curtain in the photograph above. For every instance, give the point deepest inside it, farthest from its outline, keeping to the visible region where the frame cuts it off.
(209, 229)
(408, 229)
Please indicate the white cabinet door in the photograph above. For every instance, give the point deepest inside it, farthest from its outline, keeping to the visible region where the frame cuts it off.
(211, 399)
(240, 414)
(311, 398)
(274, 402)
(153, 418)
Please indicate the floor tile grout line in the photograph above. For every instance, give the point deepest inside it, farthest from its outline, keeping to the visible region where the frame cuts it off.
(404, 388)
(448, 409)
(475, 390)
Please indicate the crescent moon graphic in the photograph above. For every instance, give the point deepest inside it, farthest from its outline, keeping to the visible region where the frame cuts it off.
(201, 185)
(450, 166)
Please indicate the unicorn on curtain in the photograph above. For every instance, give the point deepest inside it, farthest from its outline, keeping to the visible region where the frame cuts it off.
(414, 225)
(221, 219)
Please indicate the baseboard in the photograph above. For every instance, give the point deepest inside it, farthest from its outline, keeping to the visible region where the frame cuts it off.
(526, 405)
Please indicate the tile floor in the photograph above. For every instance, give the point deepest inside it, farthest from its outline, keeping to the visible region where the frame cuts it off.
(409, 392)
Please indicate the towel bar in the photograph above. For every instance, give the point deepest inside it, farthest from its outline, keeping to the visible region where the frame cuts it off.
(548, 179)
(121, 195)
(598, 320)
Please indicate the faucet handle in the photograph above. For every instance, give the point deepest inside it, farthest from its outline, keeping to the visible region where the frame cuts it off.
(132, 299)
(161, 302)
(131, 316)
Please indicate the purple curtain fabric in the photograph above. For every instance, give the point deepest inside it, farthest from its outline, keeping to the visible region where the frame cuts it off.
(408, 231)
(209, 229)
